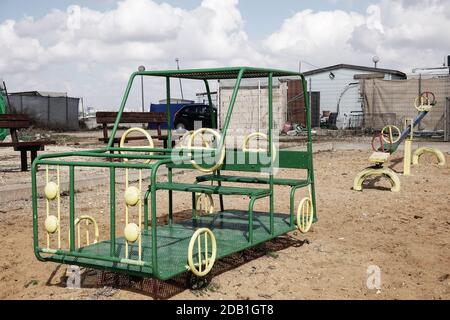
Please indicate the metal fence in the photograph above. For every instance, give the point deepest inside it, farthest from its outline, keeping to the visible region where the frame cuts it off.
(447, 120)
(51, 112)
(391, 101)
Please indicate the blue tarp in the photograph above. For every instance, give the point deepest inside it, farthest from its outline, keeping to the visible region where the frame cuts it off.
(162, 108)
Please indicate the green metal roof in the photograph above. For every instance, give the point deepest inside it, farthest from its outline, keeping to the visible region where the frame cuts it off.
(218, 73)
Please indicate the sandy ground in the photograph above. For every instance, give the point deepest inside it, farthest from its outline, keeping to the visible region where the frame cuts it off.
(405, 234)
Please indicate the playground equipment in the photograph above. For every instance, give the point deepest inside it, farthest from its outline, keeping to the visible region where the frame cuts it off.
(142, 246)
(387, 142)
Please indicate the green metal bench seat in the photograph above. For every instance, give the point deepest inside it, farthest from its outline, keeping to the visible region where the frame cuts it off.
(261, 180)
(188, 187)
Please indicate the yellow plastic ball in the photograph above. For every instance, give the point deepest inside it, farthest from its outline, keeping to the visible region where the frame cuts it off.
(132, 196)
(51, 190)
(51, 224)
(131, 232)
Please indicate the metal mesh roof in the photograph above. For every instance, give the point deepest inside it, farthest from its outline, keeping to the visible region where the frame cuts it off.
(219, 73)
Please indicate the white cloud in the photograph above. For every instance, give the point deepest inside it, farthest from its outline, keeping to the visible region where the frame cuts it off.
(92, 53)
(98, 50)
(403, 33)
(19, 54)
(315, 36)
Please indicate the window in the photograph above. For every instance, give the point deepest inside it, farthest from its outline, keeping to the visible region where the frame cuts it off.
(191, 110)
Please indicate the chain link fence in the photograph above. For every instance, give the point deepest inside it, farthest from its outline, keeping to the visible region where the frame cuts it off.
(392, 101)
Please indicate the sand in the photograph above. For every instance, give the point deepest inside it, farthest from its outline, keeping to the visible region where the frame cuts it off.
(406, 235)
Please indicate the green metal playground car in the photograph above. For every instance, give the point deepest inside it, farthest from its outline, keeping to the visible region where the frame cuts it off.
(164, 250)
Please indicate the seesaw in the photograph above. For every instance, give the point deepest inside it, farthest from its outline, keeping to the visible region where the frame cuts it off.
(387, 142)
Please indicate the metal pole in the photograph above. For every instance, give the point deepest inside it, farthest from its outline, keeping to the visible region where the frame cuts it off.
(9, 109)
(210, 103)
(142, 92)
(219, 109)
(112, 212)
(270, 147)
(82, 108)
(310, 96)
(181, 86)
(420, 92)
(142, 69)
(259, 105)
(447, 120)
(72, 208)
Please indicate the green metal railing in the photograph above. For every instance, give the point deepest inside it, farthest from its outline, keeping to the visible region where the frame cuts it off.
(169, 158)
(3, 103)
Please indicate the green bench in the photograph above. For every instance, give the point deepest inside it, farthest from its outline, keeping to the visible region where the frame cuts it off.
(227, 191)
(293, 183)
(260, 180)
(285, 160)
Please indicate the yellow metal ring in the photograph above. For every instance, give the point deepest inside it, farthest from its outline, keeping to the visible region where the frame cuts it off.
(247, 139)
(305, 215)
(422, 103)
(389, 128)
(436, 152)
(145, 133)
(88, 218)
(222, 151)
(206, 203)
(208, 262)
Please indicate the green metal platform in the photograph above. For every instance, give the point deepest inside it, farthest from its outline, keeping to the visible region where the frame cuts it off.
(229, 227)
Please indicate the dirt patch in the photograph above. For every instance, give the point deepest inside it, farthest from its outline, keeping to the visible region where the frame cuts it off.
(405, 234)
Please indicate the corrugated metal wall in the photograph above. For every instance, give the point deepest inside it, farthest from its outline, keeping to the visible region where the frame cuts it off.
(50, 112)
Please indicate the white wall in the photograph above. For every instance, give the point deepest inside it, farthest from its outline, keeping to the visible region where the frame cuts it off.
(247, 115)
(331, 89)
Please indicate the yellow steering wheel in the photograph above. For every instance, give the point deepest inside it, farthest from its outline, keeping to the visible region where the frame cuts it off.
(145, 133)
(423, 103)
(205, 258)
(247, 139)
(222, 151)
(305, 215)
(386, 133)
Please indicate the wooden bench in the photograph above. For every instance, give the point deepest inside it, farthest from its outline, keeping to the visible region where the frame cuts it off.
(14, 122)
(107, 118)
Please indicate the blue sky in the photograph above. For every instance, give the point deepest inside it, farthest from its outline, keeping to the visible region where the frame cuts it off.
(90, 52)
(268, 16)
